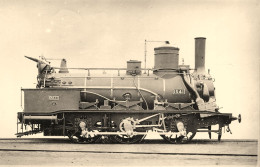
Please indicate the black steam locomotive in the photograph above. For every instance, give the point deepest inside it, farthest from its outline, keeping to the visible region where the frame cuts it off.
(171, 99)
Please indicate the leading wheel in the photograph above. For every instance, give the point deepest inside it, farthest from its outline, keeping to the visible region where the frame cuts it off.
(174, 125)
(178, 140)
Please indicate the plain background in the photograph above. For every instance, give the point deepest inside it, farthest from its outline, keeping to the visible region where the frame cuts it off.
(108, 33)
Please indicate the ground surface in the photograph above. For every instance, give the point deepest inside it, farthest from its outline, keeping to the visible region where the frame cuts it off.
(60, 152)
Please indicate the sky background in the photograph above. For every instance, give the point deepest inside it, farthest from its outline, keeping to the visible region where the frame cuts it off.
(108, 33)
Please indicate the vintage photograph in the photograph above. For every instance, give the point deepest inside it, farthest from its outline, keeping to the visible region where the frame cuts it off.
(129, 83)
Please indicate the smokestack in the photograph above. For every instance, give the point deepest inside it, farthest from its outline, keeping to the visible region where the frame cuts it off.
(200, 54)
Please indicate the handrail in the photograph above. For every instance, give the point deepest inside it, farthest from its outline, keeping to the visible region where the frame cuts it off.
(151, 69)
(118, 69)
(99, 68)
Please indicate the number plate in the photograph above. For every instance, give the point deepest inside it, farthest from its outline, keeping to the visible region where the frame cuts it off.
(54, 98)
(178, 91)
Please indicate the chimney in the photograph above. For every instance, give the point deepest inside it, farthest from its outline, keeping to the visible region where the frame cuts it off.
(200, 54)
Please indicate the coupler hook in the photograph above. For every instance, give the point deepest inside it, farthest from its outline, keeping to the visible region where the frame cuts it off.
(228, 129)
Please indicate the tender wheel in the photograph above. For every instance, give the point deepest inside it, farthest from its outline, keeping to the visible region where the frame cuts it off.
(76, 137)
(83, 133)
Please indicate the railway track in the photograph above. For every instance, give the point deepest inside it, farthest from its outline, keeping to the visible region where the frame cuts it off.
(59, 151)
(121, 152)
(66, 140)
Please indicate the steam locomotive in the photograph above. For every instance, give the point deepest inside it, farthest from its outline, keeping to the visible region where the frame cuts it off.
(171, 99)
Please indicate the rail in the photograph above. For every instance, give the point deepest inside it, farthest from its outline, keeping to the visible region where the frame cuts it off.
(128, 152)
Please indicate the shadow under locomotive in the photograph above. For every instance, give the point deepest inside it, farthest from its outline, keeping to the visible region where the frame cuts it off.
(167, 99)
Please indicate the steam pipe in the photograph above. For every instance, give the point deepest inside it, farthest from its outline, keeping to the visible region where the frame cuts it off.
(189, 85)
(198, 100)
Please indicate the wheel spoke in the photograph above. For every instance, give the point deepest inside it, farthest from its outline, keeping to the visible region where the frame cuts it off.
(127, 140)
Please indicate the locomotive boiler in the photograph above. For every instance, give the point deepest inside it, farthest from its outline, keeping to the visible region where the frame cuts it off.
(124, 105)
